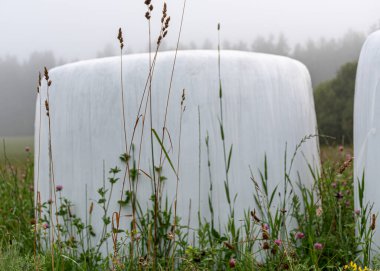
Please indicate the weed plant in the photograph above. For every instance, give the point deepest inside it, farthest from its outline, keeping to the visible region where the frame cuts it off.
(326, 232)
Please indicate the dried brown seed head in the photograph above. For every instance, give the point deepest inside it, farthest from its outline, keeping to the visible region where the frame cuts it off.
(150, 7)
(120, 38)
(229, 246)
(46, 73)
(49, 83)
(39, 79)
(373, 222)
(91, 208)
(266, 245)
(253, 214)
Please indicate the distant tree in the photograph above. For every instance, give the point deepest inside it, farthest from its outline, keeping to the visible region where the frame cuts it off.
(108, 50)
(18, 82)
(226, 45)
(193, 46)
(207, 45)
(334, 102)
(324, 57)
(271, 45)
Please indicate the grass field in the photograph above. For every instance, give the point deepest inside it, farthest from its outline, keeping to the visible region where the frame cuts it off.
(323, 240)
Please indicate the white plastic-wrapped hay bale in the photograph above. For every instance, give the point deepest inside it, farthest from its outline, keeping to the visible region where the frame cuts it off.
(268, 109)
(367, 124)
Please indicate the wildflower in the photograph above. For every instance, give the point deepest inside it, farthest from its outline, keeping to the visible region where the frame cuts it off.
(266, 245)
(318, 246)
(339, 195)
(59, 188)
(265, 228)
(319, 211)
(348, 203)
(357, 211)
(300, 235)
(232, 263)
(348, 157)
(334, 185)
(341, 148)
(278, 242)
(45, 226)
(27, 149)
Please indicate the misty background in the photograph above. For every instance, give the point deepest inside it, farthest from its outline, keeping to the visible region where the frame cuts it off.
(324, 35)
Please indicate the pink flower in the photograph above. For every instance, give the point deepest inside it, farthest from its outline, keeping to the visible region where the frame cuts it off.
(232, 263)
(357, 211)
(27, 149)
(334, 185)
(265, 227)
(45, 226)
(59, 187)
(339, 195)
(300, 235)
(319, 211)
(318, 246)
(347, 203)
(341, 148)
(278, 242)
(348, 157)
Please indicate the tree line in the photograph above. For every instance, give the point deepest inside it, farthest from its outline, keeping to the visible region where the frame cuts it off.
(322, 57)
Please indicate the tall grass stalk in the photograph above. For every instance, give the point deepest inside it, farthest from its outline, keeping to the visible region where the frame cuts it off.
(36, 189)
(51, 169)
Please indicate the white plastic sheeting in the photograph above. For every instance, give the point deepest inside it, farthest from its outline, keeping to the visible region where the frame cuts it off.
(367, 123)
(268, 108)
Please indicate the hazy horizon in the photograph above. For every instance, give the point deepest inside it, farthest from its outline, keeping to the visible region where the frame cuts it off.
(80, 29)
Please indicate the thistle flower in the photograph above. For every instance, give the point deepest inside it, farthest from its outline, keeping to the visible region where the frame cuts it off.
(278, 242)
(318, 246)
(59, 188)
(299, 235)
(232, 263)
(339, 195)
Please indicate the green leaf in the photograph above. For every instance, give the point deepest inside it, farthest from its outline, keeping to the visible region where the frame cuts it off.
(229, 158)
(164, 150)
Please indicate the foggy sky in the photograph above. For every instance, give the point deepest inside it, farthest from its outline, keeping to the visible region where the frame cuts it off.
(78, 29)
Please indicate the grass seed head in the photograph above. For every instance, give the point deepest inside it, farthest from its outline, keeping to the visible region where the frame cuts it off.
(46, 73)
(373, 222)
(120, 38)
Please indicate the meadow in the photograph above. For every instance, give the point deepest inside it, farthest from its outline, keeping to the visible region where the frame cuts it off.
(324, 239)
(328, 233)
